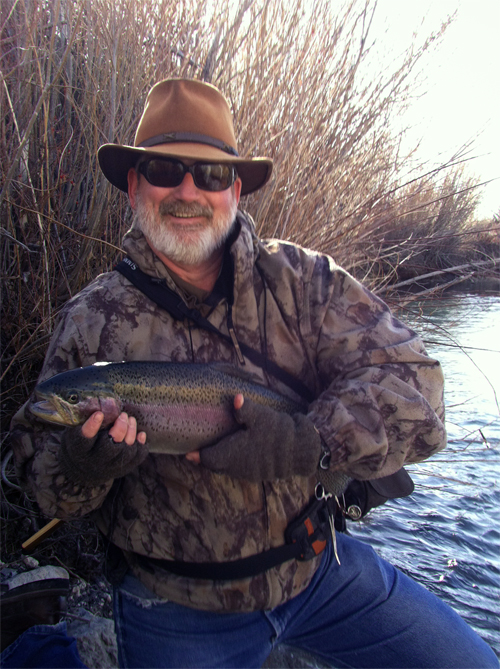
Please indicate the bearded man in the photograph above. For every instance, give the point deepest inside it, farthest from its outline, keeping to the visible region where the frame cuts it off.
(206, 576)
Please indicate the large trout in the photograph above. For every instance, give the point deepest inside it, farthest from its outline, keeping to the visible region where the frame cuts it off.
(181, 406)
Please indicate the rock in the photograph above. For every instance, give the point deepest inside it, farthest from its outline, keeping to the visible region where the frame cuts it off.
(31, 562)
(6, 574)
(96, 640)
(286, 657)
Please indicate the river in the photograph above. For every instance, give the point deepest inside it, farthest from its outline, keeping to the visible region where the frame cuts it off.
(446, 534)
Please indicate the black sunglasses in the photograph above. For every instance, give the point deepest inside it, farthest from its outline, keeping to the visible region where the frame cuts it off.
(169, 173)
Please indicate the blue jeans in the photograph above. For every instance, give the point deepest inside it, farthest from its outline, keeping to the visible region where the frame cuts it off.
(364, 613)
(42, 646)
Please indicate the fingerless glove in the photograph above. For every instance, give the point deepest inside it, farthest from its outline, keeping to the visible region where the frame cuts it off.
(269, 445)
(99, 459)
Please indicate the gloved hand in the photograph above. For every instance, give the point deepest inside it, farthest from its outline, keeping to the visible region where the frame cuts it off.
(96, 459)
(270, 445)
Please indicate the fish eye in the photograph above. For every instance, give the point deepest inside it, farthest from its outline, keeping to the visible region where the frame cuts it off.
(72, 398)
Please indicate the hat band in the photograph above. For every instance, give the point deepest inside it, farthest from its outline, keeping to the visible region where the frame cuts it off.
(171, 137)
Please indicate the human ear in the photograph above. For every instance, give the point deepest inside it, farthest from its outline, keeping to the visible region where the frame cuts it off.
(133, 184)
(237, 189)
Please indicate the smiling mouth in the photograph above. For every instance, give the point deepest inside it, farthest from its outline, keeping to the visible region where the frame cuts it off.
(185, 210)
(187, 217)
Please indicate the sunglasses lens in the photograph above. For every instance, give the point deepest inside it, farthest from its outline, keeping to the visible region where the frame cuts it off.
(213, 177)
(164, 173)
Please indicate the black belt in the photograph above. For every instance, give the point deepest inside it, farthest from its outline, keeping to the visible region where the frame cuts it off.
(305, 537)
(222, 571)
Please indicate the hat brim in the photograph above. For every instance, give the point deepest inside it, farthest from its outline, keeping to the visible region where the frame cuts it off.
(116, 160)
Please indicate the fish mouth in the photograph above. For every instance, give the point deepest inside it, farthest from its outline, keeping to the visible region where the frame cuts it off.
(51, 410)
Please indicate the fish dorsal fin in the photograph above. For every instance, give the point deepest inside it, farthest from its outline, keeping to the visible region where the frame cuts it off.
(236, 372)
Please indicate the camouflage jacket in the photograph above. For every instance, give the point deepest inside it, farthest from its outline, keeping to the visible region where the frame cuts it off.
(379, 404)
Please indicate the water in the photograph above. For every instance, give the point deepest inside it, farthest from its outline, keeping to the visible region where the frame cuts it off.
(446, 535)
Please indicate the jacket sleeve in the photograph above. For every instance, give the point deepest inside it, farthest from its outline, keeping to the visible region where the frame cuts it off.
(36, 444)
(382, 401)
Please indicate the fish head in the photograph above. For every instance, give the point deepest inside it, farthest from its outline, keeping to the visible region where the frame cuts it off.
(71, 397)
(69, 408)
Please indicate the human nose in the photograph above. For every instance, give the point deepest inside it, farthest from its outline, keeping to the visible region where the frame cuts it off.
(187, 188)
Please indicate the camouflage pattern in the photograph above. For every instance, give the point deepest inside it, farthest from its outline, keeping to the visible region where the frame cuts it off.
(379, 404)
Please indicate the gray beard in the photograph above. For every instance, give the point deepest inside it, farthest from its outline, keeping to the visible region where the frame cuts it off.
(183, 244)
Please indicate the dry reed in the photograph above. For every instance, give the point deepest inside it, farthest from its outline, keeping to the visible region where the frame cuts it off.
(75, 75)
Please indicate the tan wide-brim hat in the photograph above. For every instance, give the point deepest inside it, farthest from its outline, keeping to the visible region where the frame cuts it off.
(184, 118)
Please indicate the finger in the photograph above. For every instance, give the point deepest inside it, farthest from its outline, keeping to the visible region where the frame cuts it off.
(238, 401)
(244, 409)
(252, 414)
(131, 431)
(92, 425)
(141, 437)
(120, 428)
(193, 457)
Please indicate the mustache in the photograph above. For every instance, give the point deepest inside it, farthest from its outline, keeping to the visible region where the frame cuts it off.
(186, 209)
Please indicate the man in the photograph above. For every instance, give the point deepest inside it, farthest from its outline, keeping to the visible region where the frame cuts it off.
(189, 527)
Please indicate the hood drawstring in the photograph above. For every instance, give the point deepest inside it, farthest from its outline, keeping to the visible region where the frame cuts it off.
(190, 330)
(232, 334)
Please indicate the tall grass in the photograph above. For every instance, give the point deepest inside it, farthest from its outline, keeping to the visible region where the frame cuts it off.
(75, 74)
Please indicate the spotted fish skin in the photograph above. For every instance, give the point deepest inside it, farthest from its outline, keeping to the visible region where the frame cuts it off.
(180, 406)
